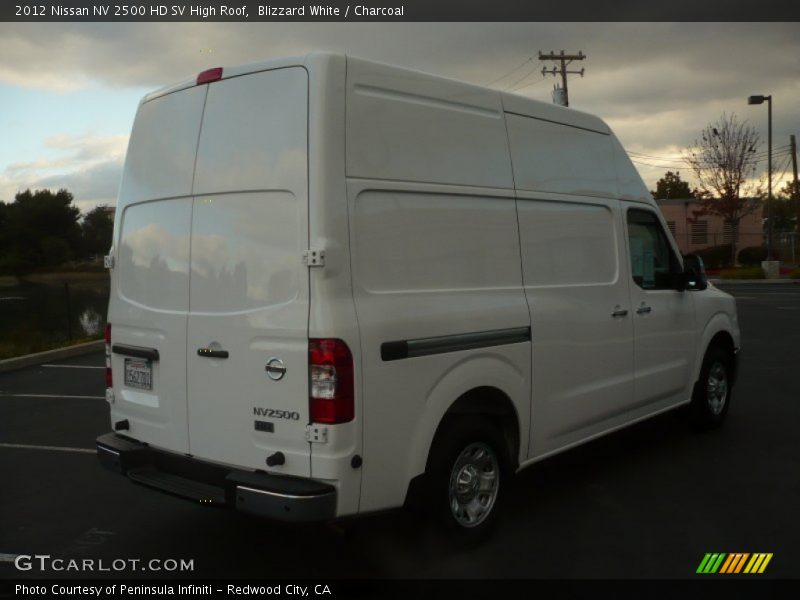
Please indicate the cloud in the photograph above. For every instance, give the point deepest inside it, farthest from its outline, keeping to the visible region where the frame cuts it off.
(657, 84)
(88, 166)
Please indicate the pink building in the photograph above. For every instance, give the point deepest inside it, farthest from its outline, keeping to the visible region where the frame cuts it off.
(694, 231)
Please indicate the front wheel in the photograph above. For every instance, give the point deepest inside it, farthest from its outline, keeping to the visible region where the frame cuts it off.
(712, 392)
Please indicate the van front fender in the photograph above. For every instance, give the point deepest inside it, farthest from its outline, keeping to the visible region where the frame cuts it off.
(720, 322)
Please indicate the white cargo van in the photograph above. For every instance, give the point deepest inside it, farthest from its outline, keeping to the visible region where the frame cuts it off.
(338, 285)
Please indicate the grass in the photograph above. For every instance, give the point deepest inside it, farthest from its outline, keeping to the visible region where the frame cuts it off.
(11, 350)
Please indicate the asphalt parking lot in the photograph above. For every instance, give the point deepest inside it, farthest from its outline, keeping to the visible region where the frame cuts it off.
(646, 502)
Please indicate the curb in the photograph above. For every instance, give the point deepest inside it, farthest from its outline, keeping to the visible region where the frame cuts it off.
(717, 281)
(20, 362)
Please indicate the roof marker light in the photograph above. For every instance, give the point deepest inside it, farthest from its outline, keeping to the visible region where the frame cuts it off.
(210, 75)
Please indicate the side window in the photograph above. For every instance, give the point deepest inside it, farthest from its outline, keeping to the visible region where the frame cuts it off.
(654, 265)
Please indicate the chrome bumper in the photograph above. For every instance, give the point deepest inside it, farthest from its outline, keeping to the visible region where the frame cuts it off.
(267, 495)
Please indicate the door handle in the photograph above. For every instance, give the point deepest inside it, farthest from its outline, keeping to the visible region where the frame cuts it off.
(209, 353)
(619, 312)
(643, 310)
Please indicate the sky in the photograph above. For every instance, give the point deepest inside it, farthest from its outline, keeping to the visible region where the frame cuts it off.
(69, 91)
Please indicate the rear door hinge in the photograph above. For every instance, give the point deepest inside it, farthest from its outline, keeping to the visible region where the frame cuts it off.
(316, 434)
(314, 257)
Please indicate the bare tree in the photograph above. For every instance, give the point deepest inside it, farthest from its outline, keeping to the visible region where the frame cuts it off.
(724, 162)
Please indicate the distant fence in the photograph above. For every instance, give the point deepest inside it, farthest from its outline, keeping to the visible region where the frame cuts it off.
(785, 245)
(35, 317)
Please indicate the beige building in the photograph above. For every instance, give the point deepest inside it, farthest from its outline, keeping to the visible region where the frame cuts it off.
(694, 230)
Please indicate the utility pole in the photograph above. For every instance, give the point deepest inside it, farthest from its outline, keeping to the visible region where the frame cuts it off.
(795, 187)
(565, 60)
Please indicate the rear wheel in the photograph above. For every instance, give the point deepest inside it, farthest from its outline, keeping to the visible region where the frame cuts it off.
(468, 466)
(712, 392)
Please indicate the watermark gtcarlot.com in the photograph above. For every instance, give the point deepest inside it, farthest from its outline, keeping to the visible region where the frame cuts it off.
(45, 562)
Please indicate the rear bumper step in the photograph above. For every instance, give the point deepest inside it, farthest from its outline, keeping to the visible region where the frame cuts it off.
(277, 497)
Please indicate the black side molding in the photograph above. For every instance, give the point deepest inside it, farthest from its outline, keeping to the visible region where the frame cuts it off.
(401, 349)
(137, 351)
(394, 350)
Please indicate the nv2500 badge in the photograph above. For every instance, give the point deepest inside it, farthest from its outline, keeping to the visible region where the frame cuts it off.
(276, 414)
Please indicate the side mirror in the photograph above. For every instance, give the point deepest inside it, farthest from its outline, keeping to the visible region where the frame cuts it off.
(694, 273)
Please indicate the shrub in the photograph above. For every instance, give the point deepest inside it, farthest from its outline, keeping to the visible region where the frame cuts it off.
(794, 274)
(753, 255)
(715, 257)
(742, 273)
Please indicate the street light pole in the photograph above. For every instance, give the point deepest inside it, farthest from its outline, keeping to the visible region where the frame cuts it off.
(760, 100)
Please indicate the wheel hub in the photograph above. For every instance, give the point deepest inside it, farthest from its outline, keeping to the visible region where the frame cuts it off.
(467, 483)
(717, 388)
(474, 484)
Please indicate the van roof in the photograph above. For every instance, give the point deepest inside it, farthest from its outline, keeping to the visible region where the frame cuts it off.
(513, 103)
(235, 71)
(631, 185)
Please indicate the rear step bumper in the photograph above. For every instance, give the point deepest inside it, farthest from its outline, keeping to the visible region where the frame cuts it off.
(273, 496)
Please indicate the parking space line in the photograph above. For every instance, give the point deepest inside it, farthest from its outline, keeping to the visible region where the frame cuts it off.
(56, 448)
(8, 557)
(4, 395)
(72, 367)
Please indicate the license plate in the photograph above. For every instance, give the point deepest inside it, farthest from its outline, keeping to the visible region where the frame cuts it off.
(139, 373)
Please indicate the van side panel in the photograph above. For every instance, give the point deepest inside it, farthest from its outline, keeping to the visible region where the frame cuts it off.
(575, 279)
(429, 259)
(528, 107)
(407, 126)
(429, 264)
(559, 158)
(631, 186)
(575, 272)
(149, 297)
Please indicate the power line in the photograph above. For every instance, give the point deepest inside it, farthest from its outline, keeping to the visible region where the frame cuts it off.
(514, 70)
(521, 79)
(638, 162)
(708, 164)
(759, 152)
(522, 87)
(785, 169)
(763, 153)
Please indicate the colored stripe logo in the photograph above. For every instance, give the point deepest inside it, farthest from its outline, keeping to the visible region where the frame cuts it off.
(735, 562)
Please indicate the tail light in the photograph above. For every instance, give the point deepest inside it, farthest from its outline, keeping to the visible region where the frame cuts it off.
(330, 365)
(109, 379)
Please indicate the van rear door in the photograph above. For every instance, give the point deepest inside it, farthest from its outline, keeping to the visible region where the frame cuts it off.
(149, 299)
(249, 287)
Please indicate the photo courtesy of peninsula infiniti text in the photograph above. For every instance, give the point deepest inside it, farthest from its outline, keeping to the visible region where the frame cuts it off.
(340, 287)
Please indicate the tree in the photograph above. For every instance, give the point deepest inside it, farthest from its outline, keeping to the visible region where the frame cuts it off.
(783, 215)
(31, 225)
(97, 228)
(672, 186)
(785, 208)
(723, 160)
(790, 191)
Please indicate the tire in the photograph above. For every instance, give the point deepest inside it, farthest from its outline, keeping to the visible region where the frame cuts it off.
(467, 468)
(712, 392)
